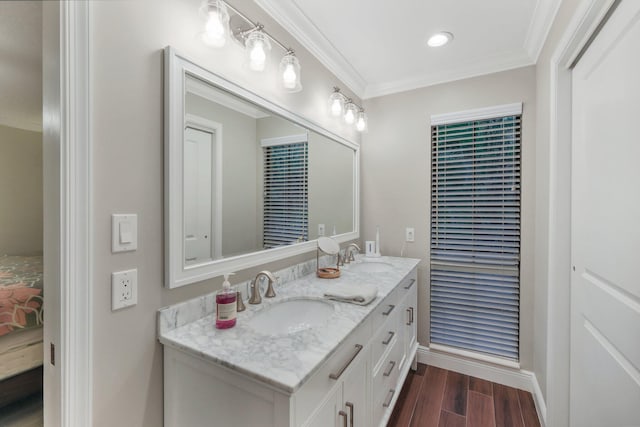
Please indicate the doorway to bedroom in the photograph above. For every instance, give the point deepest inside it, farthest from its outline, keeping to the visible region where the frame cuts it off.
(21, 214)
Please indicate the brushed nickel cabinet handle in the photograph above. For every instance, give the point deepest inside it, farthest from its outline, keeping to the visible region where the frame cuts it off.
(392, 365)
(388, 312)
(389, 398)
(411, 308)
(410, 284)
(389, 338)
(344, 418)
(336, 375)
(408, 321)
(350, 406)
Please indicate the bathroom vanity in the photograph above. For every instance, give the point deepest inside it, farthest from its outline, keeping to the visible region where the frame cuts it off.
(344, 369)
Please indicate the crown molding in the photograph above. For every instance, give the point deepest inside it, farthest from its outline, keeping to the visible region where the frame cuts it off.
(491, 65)
(289, 16)
(539, 27)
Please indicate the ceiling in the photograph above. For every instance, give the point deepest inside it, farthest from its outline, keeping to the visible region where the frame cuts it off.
(378, 47)
(21, 64)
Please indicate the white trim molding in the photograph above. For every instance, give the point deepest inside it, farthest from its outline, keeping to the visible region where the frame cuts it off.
(512, 377)
(477, 114)
(585, 22)
(67, 221)
(543, 17)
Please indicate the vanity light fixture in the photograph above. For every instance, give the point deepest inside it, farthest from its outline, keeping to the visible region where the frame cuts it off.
(439, 39)
(257, 42)
(340, 105)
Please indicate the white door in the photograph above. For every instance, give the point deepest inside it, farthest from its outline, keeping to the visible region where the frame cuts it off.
(605, 284)
(198, 195)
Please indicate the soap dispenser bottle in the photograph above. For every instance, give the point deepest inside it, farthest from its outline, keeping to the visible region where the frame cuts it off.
(226, 305)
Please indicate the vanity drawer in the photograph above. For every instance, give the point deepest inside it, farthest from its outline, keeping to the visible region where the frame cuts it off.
(384, 339)
(385, 380)
(387, 309)
(319, 385)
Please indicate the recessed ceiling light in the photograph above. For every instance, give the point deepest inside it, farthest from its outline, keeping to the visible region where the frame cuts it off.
(440, 39)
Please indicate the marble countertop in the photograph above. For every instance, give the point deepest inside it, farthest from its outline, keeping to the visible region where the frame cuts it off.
(282, 360)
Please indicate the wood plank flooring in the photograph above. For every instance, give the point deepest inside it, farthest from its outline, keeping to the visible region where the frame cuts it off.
(434, 397)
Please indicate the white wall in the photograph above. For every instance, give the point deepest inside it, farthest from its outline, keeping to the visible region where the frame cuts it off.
(20, 191)
(126, 108)
(396, 175)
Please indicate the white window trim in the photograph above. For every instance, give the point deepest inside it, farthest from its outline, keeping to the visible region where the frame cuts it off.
(477, 114)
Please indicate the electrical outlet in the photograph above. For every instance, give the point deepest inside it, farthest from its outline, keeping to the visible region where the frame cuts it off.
(410, 234)
(320, 229)
(124, 289)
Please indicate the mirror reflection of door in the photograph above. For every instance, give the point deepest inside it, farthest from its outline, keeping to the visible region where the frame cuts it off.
(199, 190)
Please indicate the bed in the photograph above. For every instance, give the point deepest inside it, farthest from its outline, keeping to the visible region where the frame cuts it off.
(21, 314)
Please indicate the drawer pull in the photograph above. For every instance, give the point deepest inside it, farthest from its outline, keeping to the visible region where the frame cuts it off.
(411, 282)
(350, 406)
(335, 376)
(389, 398)
(409, 321)
(344, 418)
(388, 312)
(389, 338)
(411, 308)
(392, 365)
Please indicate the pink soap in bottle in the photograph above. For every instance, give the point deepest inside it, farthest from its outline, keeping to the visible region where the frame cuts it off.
(226, 311)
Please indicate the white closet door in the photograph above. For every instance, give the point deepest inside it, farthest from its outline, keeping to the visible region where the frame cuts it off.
(605, 285)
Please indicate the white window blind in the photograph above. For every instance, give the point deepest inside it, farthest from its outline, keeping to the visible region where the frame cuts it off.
(475, 234)
(285, 218)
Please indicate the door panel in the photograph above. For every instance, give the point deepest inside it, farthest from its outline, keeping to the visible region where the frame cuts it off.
(605, 284)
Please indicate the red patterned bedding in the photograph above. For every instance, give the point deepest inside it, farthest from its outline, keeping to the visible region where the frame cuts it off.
(20, 293)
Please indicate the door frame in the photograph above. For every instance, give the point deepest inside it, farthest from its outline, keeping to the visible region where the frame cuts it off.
(585, 24)
(68, 224)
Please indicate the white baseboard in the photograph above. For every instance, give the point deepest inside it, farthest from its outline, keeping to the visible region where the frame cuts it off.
(516, 378)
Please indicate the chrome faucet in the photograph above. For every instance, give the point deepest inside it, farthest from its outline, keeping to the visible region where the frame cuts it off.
(254, 288)
(348, 255)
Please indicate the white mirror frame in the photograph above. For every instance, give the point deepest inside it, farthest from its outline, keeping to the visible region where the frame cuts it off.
(176, 67)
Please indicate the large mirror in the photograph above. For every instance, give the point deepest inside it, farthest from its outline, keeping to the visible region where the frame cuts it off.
(246, 181)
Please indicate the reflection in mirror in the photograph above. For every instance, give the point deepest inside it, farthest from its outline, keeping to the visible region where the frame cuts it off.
(254, 181)
(246, 181)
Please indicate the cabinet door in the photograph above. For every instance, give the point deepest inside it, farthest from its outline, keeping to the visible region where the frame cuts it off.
(410, 321)
(355, 399)
(327, 414)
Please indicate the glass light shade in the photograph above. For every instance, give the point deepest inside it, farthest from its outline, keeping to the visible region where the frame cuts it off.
(350, 112)
(361, 121)
(336, 103)
(290, 73)
(217, 23)
(258, 47)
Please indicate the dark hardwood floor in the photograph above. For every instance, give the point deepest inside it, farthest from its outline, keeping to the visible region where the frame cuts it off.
(434, 397)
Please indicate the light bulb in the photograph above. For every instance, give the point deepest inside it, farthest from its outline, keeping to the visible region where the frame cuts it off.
(257, 57)
(214, 30)
(361, 121)
(289, 77)
(336, 107)
(350, 113)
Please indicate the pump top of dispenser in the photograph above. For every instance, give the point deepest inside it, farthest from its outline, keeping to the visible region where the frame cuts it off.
(226, 284)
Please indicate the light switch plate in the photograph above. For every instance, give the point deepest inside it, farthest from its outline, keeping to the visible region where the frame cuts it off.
(124, 289)
(320, 229)
(124, 232)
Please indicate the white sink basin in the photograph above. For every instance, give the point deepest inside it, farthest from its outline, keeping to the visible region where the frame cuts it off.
(370, 267)
(291, 316)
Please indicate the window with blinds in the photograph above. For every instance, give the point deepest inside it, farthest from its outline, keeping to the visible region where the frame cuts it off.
(475, 231)
(285, 216)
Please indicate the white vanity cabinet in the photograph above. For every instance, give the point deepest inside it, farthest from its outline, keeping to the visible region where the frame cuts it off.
(356, 386)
